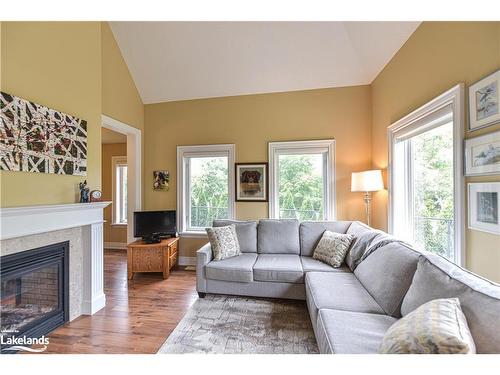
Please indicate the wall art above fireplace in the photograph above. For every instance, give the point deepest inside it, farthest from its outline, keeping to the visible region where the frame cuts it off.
(35, 138)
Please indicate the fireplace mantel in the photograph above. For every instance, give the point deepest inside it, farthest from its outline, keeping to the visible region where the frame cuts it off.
(29, 220)
(32, 220)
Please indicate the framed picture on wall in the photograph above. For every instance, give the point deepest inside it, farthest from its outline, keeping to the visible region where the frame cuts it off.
(251, 182)
(484, 204)
(482, 155)
(484, 102)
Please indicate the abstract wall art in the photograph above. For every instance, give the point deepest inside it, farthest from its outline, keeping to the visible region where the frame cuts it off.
(34, 138)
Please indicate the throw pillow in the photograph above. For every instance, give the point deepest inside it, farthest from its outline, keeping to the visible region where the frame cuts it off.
(332, 248)
(436, 327)
(224, 242)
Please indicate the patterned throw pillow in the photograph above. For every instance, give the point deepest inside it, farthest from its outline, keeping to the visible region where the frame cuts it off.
(332, 248)
(224, 242)
(436, 327)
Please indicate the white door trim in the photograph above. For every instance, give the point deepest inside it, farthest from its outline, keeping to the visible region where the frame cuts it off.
(134, 167)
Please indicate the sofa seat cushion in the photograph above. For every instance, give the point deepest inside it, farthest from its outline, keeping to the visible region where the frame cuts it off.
(278, 268)
(246, 232)
(338, 291)
(310, 264)
(479, 298)
(278, 236)
(239, 268)
(348, 332)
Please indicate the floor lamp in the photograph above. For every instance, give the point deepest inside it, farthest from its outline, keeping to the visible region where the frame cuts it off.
(367, 182)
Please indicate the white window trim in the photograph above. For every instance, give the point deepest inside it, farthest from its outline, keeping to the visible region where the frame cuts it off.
(280, 148)
(182, 197)
(114, 161)
(454, 98)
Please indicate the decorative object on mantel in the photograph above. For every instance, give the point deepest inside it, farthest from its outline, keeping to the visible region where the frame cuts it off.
(84, 192)
(482, 155)
(251, 182)
(35, 138)
(96, 196)
(484, 204)
(484, 102)
(160, 180)
(367, 182)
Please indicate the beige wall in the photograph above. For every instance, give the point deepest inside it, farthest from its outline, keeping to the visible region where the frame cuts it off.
(74, 67)
(436, 57)
(112, 233)
(250, 122)
(57, 64)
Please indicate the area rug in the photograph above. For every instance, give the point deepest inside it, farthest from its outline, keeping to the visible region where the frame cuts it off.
(224, 324)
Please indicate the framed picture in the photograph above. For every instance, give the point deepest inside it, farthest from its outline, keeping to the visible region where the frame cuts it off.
(251, 182)
(484, 102)
(160, 180)
(482, 155)
(484, 203)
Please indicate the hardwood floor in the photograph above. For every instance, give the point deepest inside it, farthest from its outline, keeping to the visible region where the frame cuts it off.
(139, 313)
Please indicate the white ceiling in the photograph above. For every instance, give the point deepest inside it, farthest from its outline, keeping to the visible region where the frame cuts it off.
(190, 60)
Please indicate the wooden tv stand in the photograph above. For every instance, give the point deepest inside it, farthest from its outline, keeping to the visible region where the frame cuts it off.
(153, 257)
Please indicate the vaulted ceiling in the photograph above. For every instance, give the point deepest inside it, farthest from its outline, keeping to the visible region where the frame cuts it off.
(190, 60)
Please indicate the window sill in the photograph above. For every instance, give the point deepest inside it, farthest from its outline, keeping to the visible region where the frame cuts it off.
(119, 225)
(193, 234)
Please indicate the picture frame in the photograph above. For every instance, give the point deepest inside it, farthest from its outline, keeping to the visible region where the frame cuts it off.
(161, 180)
(252, 182)
(484, 102)
(482, 155)
(484, 206)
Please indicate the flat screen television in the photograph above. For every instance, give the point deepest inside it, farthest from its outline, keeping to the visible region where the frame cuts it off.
(149, 224)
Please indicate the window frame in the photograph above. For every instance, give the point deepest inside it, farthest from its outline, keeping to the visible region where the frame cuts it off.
(183, 194)
(413, 123)
(117, 161)
(327, 147)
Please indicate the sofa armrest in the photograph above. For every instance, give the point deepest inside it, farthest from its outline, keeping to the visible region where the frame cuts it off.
(203, 257)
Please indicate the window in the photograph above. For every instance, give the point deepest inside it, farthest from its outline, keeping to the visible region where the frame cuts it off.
(426, 176)
(119, 165)
(205, 182)
(302, 179)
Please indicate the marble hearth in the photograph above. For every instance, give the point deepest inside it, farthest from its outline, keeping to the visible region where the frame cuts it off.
(26, 228)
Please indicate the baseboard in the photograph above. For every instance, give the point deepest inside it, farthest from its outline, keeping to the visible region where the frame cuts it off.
(115, 245)
(187, 261)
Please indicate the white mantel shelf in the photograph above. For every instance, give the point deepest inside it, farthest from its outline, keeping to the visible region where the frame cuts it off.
(29, 220)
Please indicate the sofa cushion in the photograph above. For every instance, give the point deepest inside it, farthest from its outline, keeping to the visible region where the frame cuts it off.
(387, 274)
(278, 268)
(239, 269)
(224, 242)
(312, 231)
(332, 248)
(437, 327)
(339, 291)
(278, 237)
(363, 237)
(348, 332)
(437, 277)
(312, 265)
(246, 232)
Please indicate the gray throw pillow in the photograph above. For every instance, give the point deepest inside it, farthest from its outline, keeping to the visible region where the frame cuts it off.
(224, 242)
(332, 248)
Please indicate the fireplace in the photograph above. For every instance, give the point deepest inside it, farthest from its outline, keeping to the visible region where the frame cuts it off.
(34, 291)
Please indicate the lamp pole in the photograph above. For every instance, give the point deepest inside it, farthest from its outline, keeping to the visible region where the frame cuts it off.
(368, 201)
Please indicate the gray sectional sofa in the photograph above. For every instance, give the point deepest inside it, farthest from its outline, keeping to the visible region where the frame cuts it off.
(351, 307)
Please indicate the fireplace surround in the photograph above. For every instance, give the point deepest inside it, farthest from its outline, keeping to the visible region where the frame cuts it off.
(34, 291)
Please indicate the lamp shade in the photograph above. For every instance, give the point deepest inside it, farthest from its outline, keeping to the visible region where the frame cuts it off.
(367, 181)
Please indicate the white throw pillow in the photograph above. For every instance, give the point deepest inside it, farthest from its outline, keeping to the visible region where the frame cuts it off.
(332, 248)
(224, 242)
(436, 327)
